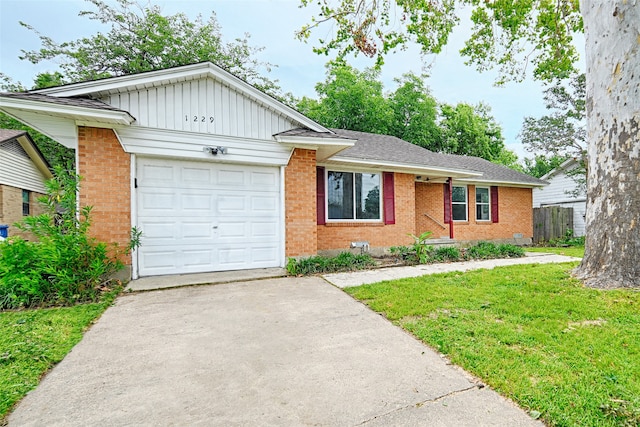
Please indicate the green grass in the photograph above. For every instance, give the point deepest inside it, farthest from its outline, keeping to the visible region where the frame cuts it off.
(567, 354)
(576, 251)
(33, 341)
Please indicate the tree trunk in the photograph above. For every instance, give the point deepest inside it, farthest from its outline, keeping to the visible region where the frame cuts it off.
(612, 252)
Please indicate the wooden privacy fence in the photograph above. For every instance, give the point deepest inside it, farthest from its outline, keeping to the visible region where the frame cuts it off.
(551, 222)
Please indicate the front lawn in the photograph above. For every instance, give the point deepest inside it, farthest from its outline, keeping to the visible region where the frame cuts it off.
(576, 251)
(568, 355)
(33, 341)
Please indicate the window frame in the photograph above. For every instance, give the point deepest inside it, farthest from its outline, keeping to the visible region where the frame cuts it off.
(354, 220)
(26, 206)
(466, 203)
(488, 203)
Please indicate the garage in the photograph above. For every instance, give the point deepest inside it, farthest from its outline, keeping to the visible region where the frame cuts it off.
(199, 216)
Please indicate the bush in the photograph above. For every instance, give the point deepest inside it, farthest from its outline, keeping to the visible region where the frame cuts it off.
(65, 265)
(489, 250)
(447, 254)
(567, 240)
(345, 261)
(481, 250)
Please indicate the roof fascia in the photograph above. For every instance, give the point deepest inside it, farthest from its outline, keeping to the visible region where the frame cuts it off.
(406, 167)
(481, 182)
(324, 147)
(563, 167)
(69, 111)
(34, 153)
(186, 72)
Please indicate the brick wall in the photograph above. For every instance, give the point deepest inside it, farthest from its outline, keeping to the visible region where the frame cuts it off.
(515, 214)
(300, 204)
(338, 236)
(11, 209)
(430, 210)
(106, 184)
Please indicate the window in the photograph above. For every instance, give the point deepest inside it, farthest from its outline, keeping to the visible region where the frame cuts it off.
(459, 203)
(483, 204)
(353, 196)
(25, 202)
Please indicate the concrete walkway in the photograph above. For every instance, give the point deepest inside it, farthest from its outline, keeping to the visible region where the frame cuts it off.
(273, 352)
(357, 278)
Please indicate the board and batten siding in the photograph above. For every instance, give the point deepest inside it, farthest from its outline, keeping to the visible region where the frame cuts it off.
(555, 194)
(202, 106)
(19, 171)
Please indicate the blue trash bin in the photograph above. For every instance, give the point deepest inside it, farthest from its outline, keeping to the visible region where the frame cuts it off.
(4, 231)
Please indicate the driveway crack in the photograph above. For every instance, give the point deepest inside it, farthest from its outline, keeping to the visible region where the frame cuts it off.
(421, 403)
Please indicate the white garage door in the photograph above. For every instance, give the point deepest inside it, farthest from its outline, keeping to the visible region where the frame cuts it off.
(198, 216)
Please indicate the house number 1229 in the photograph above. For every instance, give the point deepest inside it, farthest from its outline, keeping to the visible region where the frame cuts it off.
(196, 119)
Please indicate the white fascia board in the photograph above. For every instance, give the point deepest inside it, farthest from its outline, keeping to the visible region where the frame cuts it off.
(171, 75)
(405, 167)
(314, 142)
(482, 182)
(68, 111)
(28, 146)
(562, 168)
(325, 147)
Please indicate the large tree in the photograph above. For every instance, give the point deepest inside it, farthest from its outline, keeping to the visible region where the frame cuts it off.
(349, 99)
(561, 134)
(511, 35)
(355, 100)
(141, 38)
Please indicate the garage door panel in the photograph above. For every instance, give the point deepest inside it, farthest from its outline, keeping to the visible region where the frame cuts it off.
(192, 202)
(231, 178)
(199, 216)
(228, 203)
(264, 179)
(198, 177)
(160, 174)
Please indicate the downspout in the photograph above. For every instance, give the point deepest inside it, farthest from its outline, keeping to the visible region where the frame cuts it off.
(450, 189)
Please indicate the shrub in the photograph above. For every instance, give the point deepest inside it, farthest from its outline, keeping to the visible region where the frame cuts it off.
(345, 261)
(65, 265)
(489, 250)
(447, 254)
(567, 240)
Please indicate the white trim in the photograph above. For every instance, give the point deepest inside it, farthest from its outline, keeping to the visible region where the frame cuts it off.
(562, 168)
(475, 193)
(283, 222)
(134, 215)
(93, 115)
(485, 182)
(190, 145)
(172, 75)
(466, 203)
(354, 220)
(415, 169)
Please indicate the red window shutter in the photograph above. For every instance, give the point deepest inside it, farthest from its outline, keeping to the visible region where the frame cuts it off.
(389, 198)
(447, 203)
(494, 203)
(320, 195)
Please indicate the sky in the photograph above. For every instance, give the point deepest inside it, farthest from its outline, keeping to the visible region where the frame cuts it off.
(272, 24)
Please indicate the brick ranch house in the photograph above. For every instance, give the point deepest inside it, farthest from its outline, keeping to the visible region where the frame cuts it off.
(23, 171)
(220, 176)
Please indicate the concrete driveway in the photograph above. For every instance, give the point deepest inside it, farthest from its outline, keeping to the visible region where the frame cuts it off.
(280, 352)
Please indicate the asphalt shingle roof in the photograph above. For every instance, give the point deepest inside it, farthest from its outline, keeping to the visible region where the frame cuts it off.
(9, 134)
(70, 101)
(374, 147)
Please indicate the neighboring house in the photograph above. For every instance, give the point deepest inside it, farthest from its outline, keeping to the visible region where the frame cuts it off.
(23, 171)
(220, 176)
(560, 192)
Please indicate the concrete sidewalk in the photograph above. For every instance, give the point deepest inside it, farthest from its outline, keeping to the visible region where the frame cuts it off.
(274, 352)
(357, 278)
